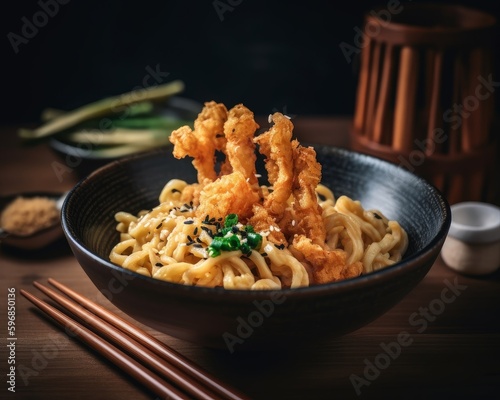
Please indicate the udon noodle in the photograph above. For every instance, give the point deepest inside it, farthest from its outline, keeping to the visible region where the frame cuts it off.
(228, 230)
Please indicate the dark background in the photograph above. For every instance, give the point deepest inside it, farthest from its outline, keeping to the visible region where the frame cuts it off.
(268, 55)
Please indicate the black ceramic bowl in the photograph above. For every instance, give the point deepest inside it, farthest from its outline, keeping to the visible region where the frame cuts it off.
(241, 319)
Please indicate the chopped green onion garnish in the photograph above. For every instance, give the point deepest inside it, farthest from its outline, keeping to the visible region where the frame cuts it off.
(230, 243)
(217, 243)
(213, 252)
(254, 240)
(228, 238)
(231, 220)
(245, 249)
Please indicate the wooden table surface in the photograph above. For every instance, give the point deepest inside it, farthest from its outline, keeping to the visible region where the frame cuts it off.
(451, 348)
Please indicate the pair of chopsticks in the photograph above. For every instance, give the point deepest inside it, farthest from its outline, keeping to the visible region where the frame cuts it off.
(158, 367)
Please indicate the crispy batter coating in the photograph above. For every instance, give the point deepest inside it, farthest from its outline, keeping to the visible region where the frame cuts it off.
(309, 232)
(228, 194)
(191, 193)
(328, 265)
(276, 145)
(202, 142)
(239, 130)
(306, 210)
(262, 221)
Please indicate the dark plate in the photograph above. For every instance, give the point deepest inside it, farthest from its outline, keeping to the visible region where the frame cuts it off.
(255, 319)
(83, 160)
(38, 239)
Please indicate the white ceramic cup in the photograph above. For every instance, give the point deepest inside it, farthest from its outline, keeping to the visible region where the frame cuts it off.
(473, 242)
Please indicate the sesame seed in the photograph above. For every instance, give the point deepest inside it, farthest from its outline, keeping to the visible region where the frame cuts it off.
(268, 248)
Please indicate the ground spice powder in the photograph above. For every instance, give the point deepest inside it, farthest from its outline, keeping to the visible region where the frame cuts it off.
(27, 215)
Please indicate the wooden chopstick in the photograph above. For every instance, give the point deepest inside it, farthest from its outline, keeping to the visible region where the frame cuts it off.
(174, 367)
(151, 343)
(150, 380)
(139, 352)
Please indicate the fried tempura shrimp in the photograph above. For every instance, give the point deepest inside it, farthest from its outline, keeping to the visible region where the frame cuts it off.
(202, 142)
(239, 130)
(275, 144)
(328, 240)
(307, 212)
(263, 222)
(229, 194)
(328, 265)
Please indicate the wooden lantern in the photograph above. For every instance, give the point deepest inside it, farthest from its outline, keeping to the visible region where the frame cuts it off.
(425, 96)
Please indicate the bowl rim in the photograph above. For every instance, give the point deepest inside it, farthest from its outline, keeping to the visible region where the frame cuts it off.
(313, 290)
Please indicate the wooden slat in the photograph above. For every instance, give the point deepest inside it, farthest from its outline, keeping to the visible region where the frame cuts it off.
(373, 89)
(435, 120)
(381, 133)
(362, 90)
(404, 116)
